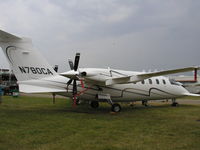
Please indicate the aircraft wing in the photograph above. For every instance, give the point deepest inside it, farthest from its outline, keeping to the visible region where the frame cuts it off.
(166, 72)
(143, 76)
(191, 85)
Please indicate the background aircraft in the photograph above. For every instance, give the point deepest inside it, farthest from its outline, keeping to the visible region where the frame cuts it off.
(96, 85)
(191, 83)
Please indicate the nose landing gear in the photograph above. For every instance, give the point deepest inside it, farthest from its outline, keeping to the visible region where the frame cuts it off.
(145, 103)
(174, 103)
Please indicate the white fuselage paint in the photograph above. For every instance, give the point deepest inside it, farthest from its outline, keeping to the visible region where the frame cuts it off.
(118, 92)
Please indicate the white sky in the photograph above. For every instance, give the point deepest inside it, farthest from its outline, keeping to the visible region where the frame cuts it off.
(123, 34)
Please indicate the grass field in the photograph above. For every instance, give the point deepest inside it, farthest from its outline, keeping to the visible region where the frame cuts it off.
(37, 124)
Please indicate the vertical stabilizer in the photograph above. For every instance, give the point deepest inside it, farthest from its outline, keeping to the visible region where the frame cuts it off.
(25, 61)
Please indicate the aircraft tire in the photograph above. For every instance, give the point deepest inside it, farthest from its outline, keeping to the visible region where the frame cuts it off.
(116, 108)
(94, 104)
(175, 104)
(78, 102)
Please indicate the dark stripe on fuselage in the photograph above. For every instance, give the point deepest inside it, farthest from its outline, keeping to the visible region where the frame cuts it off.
(122, 91)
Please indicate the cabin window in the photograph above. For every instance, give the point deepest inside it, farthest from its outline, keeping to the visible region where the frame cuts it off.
(157, 81)
(150, 81)
(164, 82)
(142, 81)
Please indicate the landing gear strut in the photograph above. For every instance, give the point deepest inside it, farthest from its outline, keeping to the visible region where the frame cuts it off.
(78, 102)
(174, 103)
(145, 103)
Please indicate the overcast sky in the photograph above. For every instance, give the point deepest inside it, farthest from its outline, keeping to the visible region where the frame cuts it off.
(123, 34)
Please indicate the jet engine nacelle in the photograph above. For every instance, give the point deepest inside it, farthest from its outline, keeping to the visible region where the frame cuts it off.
(88, 73)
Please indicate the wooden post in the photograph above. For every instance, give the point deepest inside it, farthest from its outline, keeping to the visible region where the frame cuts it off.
(1, 93)
(54, 95)
(0, 99)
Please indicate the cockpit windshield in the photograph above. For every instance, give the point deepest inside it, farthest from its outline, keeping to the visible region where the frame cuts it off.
(173, 82)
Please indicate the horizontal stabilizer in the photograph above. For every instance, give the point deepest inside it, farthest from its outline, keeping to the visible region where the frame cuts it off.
(7, 37)
(38, 89)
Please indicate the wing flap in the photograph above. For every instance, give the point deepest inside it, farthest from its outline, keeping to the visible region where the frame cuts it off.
(121, 80)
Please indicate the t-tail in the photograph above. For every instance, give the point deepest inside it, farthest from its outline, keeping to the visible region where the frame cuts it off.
(28, 65)
(25, 61)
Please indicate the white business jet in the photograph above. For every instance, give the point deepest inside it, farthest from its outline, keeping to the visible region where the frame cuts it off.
(95, 85)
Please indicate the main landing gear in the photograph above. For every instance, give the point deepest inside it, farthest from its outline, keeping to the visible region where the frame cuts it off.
(174, 103)
(94, 104)
(78, 102)
(145, 103)
(114, 106)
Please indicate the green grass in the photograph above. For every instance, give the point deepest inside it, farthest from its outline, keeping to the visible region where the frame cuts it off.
(37, 124)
